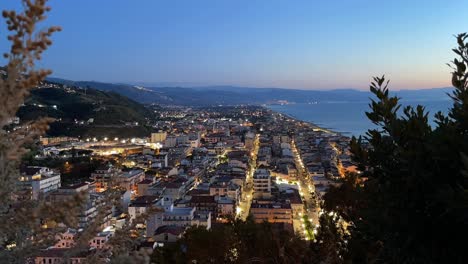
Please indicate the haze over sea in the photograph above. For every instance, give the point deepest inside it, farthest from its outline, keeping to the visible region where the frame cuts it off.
(349, 118)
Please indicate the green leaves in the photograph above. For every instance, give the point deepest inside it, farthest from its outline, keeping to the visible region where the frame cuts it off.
(384, 109)
(416, 178)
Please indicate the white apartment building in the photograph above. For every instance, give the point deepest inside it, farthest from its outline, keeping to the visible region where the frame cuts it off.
(177, 216)
(39, 181)
(262, 183)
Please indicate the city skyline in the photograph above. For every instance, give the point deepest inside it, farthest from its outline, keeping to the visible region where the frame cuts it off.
(233, 131)
(305, 45)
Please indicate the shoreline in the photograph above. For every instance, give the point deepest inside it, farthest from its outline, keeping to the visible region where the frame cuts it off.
(311, 124)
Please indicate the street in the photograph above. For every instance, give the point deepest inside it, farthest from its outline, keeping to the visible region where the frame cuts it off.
(243, 209)
(306, 188)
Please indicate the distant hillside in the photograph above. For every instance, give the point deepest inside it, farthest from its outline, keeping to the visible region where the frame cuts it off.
(83, 111)
(136, 93)
(231, 95)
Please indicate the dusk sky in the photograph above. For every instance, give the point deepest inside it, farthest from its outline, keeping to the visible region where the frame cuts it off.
(288, 44)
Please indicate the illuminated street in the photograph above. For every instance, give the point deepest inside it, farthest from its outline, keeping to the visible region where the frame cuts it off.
(306, 188)
(244, 205)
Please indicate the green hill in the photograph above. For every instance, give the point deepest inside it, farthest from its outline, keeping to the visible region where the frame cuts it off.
(85, 112)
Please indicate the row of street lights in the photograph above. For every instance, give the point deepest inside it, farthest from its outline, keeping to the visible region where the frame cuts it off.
(116, 139)
(302, 181)
(243, 210)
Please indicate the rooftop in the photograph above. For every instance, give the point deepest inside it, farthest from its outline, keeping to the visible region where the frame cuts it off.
(180, 211)
(271, 205)
(62, 252)
(30, 170)
(202, 199)
(146, 181)
(144, 200)
(171, 229)
(132, 173)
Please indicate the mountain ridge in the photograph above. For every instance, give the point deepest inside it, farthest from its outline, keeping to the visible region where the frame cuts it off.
(235, 95)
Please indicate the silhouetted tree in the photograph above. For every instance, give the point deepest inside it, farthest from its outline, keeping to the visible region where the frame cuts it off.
(413, 205)
(236, 242)
(329, 244)
(27, 226)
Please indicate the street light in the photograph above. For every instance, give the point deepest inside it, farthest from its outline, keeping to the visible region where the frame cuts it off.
(158, 146)
(238, 210)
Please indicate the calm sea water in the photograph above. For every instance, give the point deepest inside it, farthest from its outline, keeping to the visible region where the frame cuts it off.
(348, 118)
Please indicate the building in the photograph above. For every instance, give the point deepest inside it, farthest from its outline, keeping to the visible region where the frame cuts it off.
(285, 139)
(100, 240)
(228, 189)
(92, 201)
(50, 151)
(204, 203)
(182, 139)
(174, 189)
(61, 255)
(143, 186)
(160, 160)
(104, 176)
(129, 179)
(177, 216)
(249, 140)
(142, 205)
(226, 207)
(195, 143)
(158, 137)
(56, 140)
(66, 239)
(89, 210)
(293, 198)
(292, 172)
(39, 181)
(262, 183)
(272, 212)
(214, 137)
(168, 233)
(170, 142)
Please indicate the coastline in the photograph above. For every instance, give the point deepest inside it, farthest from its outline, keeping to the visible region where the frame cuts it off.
(311, 124)
(349, 119)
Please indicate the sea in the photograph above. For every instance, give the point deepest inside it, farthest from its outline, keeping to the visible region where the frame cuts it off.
(349, 118)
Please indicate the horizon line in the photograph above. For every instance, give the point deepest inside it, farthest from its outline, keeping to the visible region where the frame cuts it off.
(195, 86)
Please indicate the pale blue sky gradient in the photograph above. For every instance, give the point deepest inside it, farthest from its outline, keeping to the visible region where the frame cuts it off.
(269, 43)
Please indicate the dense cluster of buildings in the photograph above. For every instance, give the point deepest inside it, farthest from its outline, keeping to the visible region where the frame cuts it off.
(199, 168)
